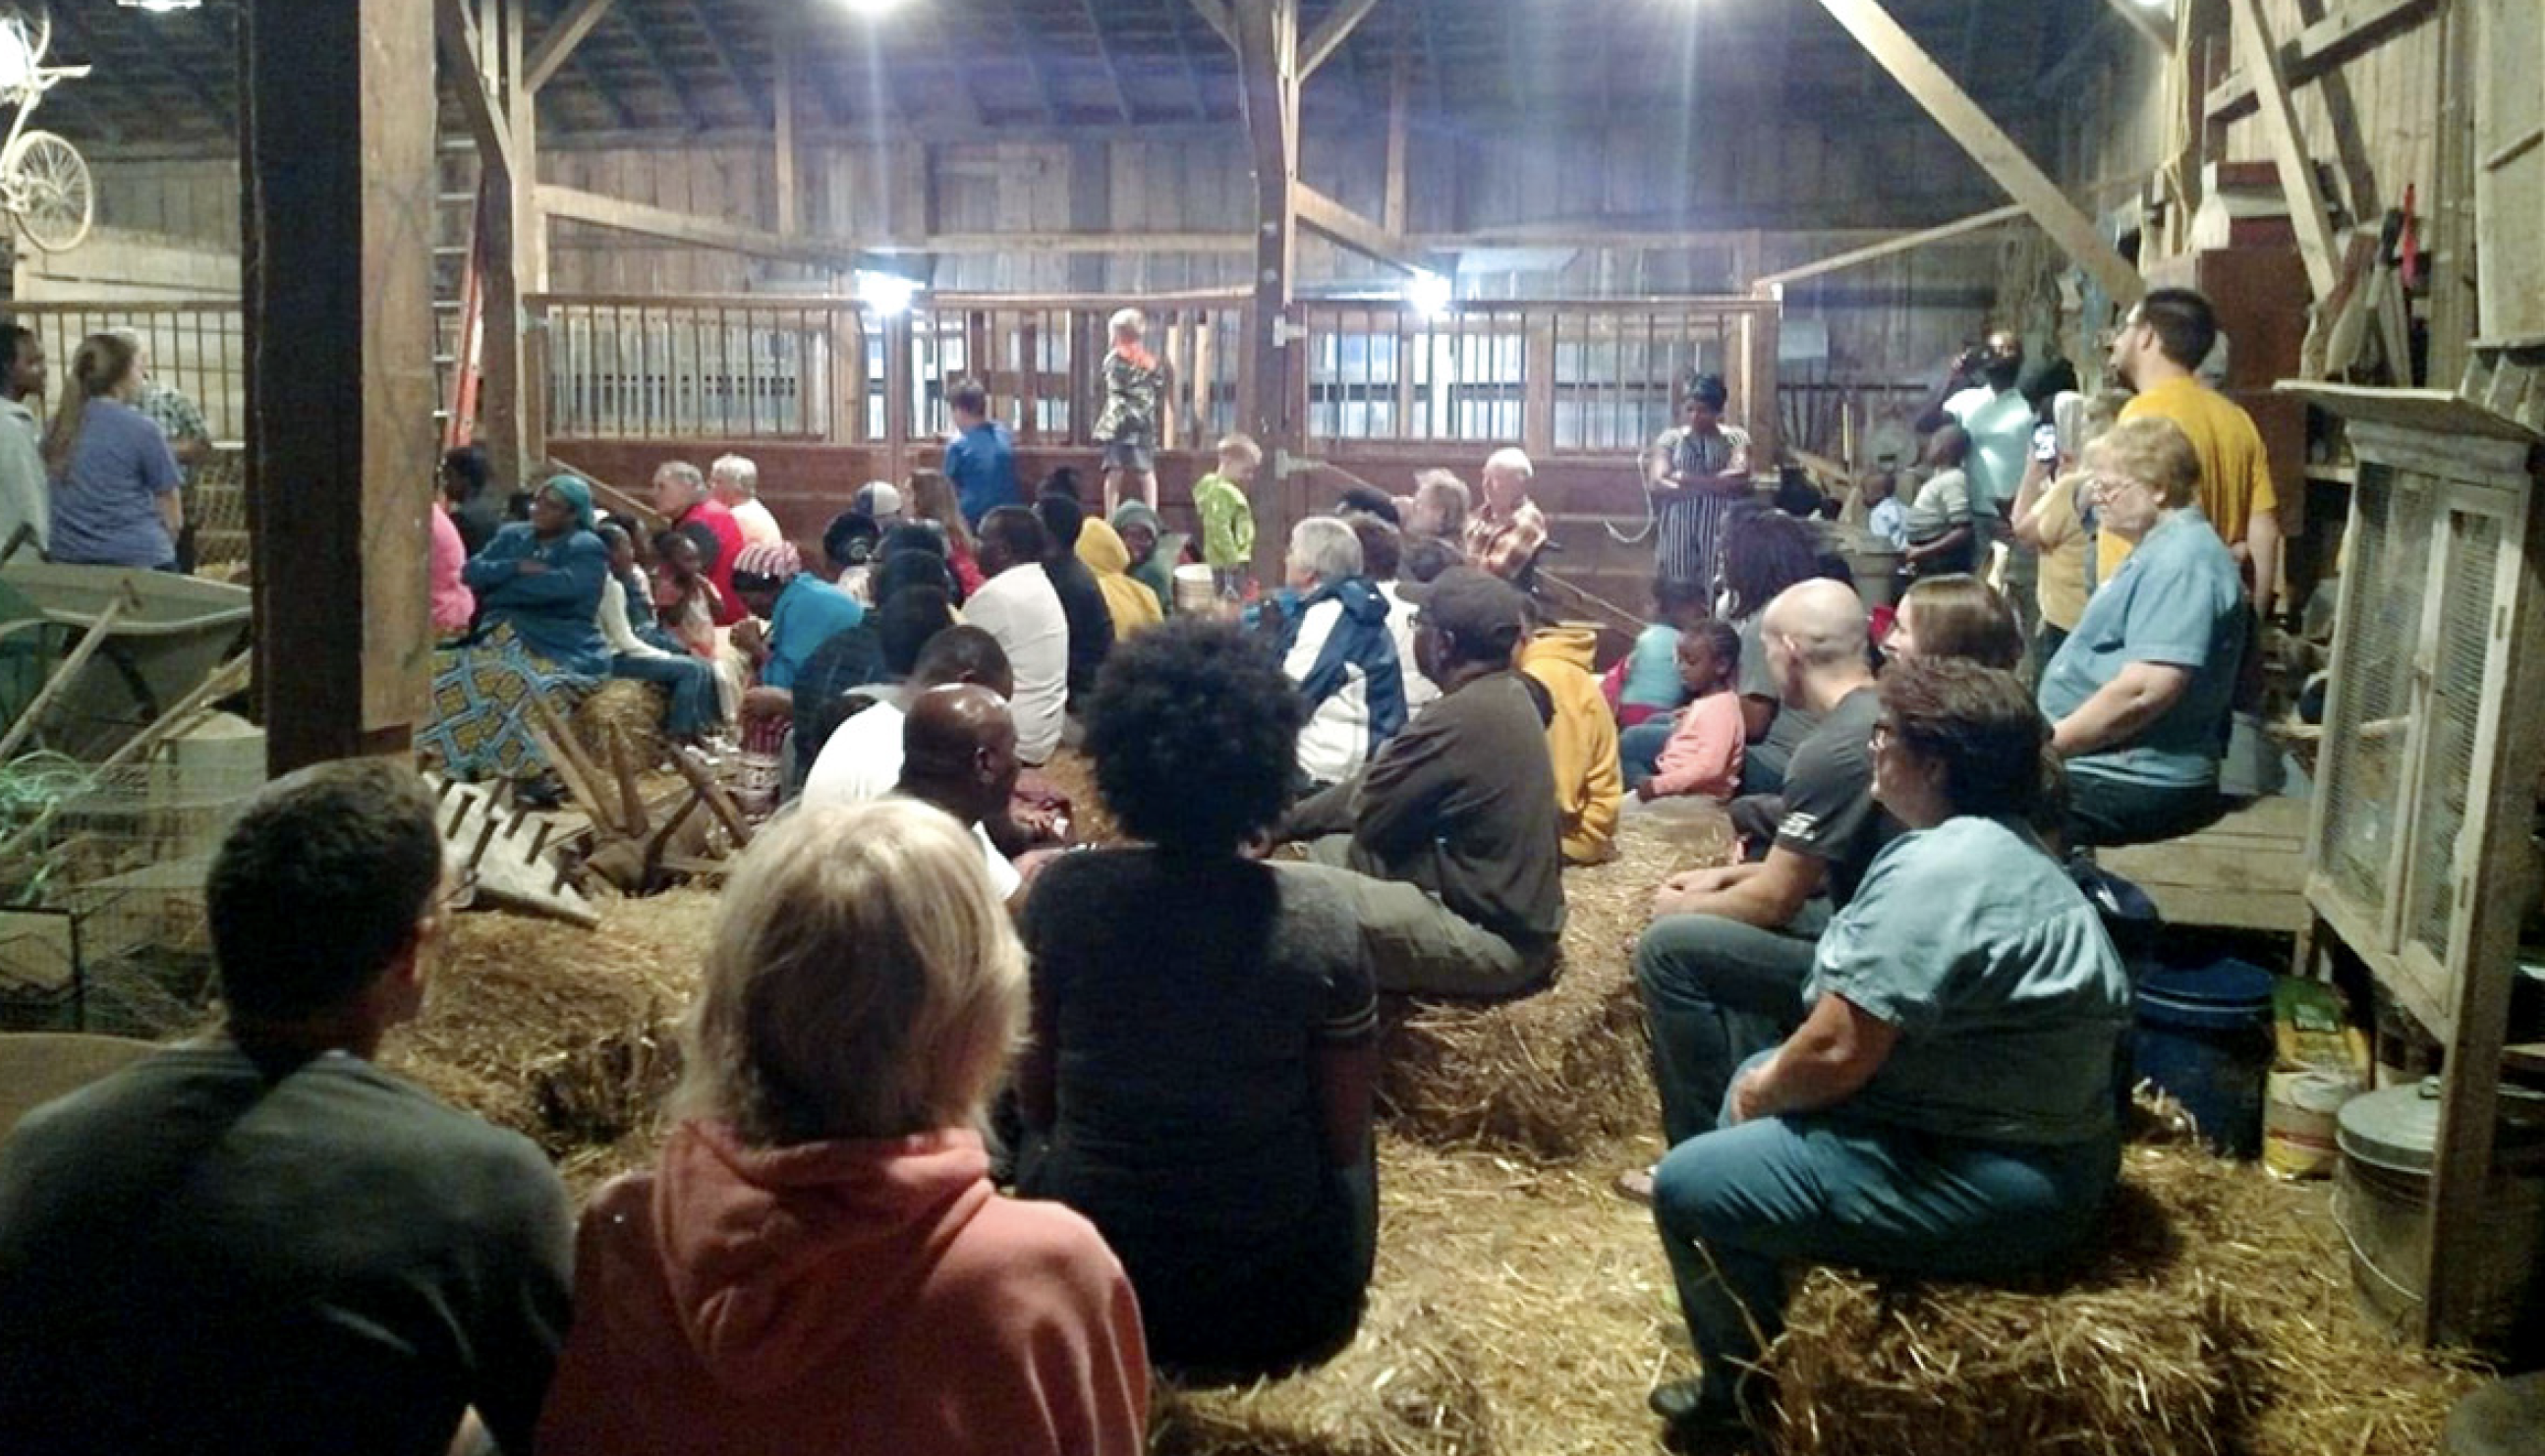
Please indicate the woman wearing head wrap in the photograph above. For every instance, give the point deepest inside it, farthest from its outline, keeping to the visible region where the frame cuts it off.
(1127, 601)
(1154, 551)
(538, 586)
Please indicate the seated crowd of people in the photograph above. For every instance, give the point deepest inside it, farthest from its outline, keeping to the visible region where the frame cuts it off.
(1886, 1037)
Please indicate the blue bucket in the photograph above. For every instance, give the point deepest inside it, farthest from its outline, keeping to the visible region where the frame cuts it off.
(2204, 1037)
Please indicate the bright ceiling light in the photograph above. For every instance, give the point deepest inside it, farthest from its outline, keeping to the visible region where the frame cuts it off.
(872, 9)
(1428, 293)
(888, 294)
(161, 6)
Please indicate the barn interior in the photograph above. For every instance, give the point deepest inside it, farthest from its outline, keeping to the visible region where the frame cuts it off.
(585, 238)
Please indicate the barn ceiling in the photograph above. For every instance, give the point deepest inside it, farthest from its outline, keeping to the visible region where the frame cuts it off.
(955, 67)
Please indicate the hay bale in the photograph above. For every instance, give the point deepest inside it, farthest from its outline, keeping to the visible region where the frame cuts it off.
(1557, 1074)
(1408, 1386)
(2213, 1316)
(625, 706)
(560, 1033)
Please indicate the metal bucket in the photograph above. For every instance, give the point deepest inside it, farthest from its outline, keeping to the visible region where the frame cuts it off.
(2382, 1202)
(1193, 593)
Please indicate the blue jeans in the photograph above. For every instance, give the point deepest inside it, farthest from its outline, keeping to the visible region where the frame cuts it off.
(694, 709)
(1717, 991)
(1639, 748)
(1737, 1204)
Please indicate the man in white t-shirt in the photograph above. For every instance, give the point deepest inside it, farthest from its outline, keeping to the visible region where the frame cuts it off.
(1019, 607)
(735, 482)
(2000, 422)
(959, 746)
(861, 759)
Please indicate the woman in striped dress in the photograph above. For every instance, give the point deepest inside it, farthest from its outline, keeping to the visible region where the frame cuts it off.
(1696, 473)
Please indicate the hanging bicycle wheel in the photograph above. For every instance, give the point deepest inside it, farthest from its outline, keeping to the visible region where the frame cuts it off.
(56, 199)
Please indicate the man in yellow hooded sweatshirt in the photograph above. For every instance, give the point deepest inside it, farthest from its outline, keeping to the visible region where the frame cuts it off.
(1581, 738)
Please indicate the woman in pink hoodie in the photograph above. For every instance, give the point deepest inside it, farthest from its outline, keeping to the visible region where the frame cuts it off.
(819, 1263)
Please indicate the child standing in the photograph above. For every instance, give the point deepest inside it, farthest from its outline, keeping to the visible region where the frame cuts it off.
(1941, 538)
(1648, 683)
(1127, 426)
(1703, 755)
(1227, 520)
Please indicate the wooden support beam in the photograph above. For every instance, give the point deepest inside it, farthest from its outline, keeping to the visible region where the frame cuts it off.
(338, 169)
(1331, 219)
(558, 43)
(1330, 33)
(2154, 28)
(1113, 67)
(463, 50)
(1266, 49)
(1977, 222)
(1400, 97)
(1917, 72)
(575, 204)
(2359, 27)
(791, 219)
(1214, 13)
(744, 80)
(2288, 149)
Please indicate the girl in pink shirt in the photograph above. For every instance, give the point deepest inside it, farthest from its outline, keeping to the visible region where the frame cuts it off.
(1703, 755)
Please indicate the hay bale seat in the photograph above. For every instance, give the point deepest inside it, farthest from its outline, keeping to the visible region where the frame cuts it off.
(560, 1033)
(1565, 1071)
(2208, 1319)
(627, 708)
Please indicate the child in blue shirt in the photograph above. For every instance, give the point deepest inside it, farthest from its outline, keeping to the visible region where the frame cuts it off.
(1648, 678)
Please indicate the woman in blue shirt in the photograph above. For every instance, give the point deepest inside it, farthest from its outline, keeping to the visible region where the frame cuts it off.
(113, 478)
(1948, 1106)
(538, 586)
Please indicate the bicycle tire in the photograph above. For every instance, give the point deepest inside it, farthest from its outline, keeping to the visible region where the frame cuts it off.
(59, 199)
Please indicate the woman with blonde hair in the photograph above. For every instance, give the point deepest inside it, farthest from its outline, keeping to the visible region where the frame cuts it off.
(115, 480)
(818, 1262)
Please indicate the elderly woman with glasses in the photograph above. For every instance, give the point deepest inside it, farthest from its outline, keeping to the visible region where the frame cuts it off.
(1946, 1108)
(2139, 694)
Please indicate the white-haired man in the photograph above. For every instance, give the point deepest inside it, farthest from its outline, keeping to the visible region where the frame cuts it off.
(735, 479)
(1336, 645)
(1508, 531)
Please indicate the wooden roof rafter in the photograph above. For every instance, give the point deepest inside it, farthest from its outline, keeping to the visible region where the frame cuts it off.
(756, 90)
(1113, 67)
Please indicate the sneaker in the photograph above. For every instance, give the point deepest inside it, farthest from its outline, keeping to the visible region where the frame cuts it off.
(1635, 1185)
(1700, 1426)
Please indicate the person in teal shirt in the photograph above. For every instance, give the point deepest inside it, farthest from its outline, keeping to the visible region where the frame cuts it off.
(801, 611)
(1949, 1105)
(2139, 695)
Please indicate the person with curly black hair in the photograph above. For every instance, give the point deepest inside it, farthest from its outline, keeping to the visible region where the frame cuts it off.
(1205, 1030)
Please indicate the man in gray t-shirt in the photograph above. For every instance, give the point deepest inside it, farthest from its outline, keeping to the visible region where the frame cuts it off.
(1722, 966)
(260, 1241)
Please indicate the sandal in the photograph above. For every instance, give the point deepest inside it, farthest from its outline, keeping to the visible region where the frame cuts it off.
(1635, 1185)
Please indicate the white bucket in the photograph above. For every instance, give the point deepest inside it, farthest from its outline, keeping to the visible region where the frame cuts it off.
(1194, 591)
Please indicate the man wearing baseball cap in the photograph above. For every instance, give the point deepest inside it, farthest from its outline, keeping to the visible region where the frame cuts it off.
(1447, 841)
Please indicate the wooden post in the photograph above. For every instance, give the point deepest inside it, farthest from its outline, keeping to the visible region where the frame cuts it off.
(2288, 149)
(337, 167)
(469, 41)
(1400, 93)
(790, 207)
(1961, 118)
(1266, 32)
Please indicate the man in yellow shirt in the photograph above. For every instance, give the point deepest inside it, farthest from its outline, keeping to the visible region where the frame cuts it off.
(2166, 337)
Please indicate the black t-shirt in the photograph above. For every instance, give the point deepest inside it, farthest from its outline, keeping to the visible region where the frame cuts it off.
(202, 1254)
(1090, 626)
(1830, 812)
(1185, 999)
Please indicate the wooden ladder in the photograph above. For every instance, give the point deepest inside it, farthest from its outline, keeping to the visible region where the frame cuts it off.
(458, 291)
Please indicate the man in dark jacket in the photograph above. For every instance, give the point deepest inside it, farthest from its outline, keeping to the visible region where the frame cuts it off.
(1449, 841)
(1090, 626)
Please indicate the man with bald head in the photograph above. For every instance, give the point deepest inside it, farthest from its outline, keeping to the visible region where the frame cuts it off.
(1723, 964)
(958, 753)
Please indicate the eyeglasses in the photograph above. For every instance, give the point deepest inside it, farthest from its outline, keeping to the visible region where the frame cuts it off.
(2110, 487)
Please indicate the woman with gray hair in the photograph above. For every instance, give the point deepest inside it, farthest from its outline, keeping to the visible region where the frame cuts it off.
(819, 1263)
(1336, 645)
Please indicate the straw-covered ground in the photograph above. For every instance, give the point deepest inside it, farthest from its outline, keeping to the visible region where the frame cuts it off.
(1519, 1305)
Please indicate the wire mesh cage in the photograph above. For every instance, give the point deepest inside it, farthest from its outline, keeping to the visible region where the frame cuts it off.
(102, 873)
